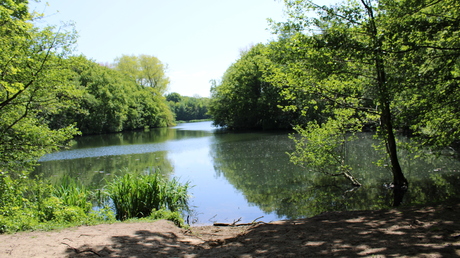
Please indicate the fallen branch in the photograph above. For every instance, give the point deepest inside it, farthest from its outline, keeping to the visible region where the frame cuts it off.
(81, 251)
(234, 224)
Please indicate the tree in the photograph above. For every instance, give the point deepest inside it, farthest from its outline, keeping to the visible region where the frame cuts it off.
(244, 99)
(174, 97)
(188, 108)
(105, 106)
(362, 59)
(112, 102)
(428, 55)
(34, 81)
(148, 71)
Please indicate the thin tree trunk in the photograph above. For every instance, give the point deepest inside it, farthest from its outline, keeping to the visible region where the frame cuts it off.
(399, 181)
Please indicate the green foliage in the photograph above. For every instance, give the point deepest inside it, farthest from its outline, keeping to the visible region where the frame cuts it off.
(137, 195)
(34, 81)
(428, 55)
(244, 99)
(72, 193)
(147, 71)
(322, 148)
(27, 204)
(188, 108)
(386, 64)
(174, 97)
(112, 102)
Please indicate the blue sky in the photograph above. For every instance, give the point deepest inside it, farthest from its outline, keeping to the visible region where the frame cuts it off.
(197, 39)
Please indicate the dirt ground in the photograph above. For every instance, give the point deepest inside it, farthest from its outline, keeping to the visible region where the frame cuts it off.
(432, 231)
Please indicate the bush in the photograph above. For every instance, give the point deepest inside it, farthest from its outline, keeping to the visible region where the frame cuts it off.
(31, 204)
(28, 204)
(73, 194)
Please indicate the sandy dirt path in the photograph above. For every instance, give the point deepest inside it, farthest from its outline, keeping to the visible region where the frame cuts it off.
(410, 232)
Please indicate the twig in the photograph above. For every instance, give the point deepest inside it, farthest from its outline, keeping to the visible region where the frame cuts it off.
(254, 221)
(234, 222)
(82, 251)
(212, 218)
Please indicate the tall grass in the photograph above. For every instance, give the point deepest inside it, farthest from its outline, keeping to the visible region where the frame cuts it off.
(137, 195)
(73, 193)
(27, 204)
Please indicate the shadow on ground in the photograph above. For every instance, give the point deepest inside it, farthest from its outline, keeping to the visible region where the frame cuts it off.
(410, 232)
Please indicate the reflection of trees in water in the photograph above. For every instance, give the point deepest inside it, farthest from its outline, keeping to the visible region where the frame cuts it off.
(257, 165)
(95, 171)
(154, 135)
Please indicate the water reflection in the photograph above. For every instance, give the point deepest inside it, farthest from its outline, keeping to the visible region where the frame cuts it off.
(248, 174)
(258, 166)
(95, 171)
(96, 159)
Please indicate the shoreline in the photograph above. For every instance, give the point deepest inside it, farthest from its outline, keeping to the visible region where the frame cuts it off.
(422, 231)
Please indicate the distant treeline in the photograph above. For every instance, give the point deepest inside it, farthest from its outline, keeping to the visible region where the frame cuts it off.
(188, 108)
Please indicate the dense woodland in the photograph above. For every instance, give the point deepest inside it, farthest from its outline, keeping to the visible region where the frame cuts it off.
(391, 66)
(188, 108)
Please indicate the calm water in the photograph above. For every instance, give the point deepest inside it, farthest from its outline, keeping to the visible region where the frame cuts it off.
(248, 175)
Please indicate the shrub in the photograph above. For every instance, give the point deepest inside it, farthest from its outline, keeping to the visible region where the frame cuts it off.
(31, 204)
(28, 204)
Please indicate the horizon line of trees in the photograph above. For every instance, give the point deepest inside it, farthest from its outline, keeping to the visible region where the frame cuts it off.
(187, 108)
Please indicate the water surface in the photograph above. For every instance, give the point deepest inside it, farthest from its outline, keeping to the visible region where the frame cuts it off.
(248, 175)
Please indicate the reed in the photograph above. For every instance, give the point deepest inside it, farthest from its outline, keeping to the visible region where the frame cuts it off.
(73, 193)
(137, 195)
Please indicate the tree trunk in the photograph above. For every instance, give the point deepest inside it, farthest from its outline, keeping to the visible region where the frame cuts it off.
(399, 181)
(384, 98)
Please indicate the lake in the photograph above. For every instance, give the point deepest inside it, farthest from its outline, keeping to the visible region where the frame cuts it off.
(248, 175)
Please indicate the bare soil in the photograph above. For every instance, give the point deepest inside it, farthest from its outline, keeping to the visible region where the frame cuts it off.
(432, 231)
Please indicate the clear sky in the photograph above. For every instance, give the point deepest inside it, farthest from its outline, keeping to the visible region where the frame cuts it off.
(197, 39)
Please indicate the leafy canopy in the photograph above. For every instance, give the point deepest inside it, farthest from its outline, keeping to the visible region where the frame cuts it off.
(148, 71)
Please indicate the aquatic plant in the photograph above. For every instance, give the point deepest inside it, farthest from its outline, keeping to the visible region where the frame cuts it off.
(137, 195)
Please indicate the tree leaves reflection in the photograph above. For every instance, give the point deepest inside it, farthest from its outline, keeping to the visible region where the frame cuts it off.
(257, 165)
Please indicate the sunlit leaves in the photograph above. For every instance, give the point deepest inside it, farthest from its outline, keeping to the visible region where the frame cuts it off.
(34, 81)
(425, 45)
(148, 71)
(347, 62)
(112, 102)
